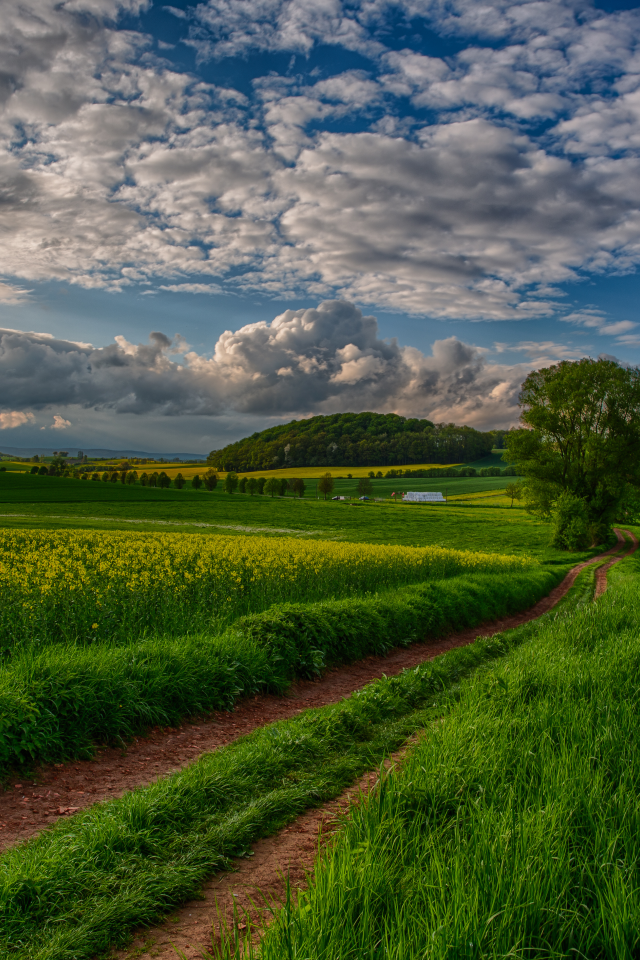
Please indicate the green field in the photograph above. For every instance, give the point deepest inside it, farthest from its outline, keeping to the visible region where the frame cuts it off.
(56, 503)
(126, 608)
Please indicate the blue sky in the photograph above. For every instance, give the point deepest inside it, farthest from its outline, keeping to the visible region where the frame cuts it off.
(312, 205)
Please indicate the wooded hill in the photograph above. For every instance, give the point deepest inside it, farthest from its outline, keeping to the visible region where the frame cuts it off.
(354, 440)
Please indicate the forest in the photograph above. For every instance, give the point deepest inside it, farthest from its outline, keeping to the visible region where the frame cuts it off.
(354, 440)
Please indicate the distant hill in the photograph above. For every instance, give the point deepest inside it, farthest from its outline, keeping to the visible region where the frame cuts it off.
(354, 439)
(98, 452)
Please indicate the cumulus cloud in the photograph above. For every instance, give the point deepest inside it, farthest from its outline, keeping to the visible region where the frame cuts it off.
(59, 423)
(316, 360)
(15, 418)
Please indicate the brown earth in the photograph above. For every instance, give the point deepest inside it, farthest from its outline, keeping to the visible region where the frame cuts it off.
(29, 805)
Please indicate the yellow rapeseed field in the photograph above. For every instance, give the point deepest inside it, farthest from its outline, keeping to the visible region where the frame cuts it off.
(94, 585)
(304, 473)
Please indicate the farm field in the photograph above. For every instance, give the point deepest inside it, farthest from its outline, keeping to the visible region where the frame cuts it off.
(138, 607)
(493, 459)
(101, 873)
(104, 633)
(56, 503)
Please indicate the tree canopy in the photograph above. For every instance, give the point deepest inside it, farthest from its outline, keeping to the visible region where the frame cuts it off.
(353, 439)
(580, 447)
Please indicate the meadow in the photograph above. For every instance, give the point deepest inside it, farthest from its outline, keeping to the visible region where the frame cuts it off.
(509, 721)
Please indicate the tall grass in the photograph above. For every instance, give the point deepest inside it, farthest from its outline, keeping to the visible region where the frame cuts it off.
(86, 884)
(90, 587)
(513, 828)
(59, 701)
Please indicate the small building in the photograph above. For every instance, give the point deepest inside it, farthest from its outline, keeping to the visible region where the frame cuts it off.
(415, 497)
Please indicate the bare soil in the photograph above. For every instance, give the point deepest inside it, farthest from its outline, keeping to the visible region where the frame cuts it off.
(29, 805)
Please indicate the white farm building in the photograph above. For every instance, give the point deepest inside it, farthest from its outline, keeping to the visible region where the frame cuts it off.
(414, 497)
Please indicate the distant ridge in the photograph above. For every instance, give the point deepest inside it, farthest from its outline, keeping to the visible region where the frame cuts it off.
(97, 452)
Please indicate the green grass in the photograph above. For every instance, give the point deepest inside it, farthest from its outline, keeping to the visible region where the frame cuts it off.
(56, 503)
(59, 701)
(91, 880)
(513, 828)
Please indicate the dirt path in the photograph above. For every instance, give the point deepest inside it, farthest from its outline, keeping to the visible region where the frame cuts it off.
(601, 572)
(28, 806)
(193, 930)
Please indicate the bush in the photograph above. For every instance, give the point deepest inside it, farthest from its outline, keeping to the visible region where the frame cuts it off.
(179, 482)
(210, 480)
(196, 482)
(571, 527)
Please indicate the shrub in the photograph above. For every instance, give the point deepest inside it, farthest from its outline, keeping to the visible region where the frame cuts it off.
(210, 480)
(571, 528)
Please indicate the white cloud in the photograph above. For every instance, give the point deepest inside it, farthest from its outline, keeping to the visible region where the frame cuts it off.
(303, 362)
(596, 320)
(209, 288)
(11, 295)
(59, 423)
(15, 418)
(118, 171)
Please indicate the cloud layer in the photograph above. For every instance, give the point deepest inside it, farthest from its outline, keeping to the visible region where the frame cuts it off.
(463, 187)
(303, 362)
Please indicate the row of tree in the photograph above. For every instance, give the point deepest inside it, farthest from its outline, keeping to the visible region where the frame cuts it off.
(354, 439)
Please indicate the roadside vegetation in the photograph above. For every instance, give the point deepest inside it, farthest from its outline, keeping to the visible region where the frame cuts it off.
(511, 829)
(69, 683)
(87, 883)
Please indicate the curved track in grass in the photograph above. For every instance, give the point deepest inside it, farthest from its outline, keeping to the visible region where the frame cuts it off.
(28, 806)
(259, 881)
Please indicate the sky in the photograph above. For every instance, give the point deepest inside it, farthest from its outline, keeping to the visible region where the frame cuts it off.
(222, 215)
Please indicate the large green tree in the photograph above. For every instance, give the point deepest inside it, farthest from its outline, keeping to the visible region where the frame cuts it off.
(579, 450)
